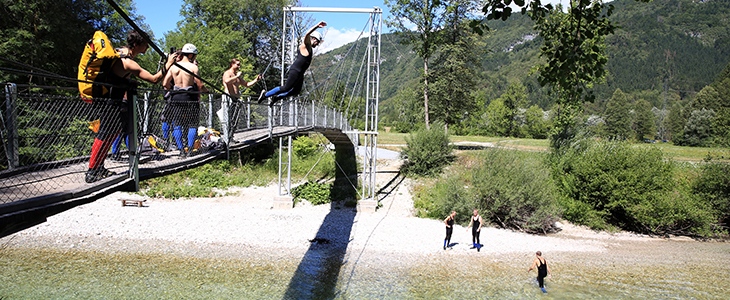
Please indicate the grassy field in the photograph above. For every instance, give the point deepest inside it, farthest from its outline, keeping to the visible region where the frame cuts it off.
(394, 141)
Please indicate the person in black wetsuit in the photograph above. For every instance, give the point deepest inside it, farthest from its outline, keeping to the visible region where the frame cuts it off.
(543, 270)
(476, 227)
(449, 221)
(295, 78)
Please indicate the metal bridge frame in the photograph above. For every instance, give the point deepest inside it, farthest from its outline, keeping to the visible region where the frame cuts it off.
(288, 53)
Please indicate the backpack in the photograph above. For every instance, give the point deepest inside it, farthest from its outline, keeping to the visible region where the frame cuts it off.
(152, 145)
(95, 65)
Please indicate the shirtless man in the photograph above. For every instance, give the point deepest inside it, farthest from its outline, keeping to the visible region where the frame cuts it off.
(185, 88)
(117, 109)
(232, 81)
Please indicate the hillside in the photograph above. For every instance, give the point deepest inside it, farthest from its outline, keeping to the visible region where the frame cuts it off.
(682, 43)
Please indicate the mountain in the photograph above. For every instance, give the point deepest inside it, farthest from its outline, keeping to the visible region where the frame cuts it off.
(683, 44)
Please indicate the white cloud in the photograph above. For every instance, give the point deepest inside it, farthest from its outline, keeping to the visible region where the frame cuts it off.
(335, 38)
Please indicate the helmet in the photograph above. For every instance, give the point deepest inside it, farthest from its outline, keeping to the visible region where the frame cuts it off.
(316, 35)
(189, 48)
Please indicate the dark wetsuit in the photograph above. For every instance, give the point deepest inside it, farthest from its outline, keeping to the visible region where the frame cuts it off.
(474, 232)
(294, 80)
(449, 231)
(541, 272)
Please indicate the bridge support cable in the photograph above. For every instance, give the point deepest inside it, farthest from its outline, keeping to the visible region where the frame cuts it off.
(371, 106)
(288, 53)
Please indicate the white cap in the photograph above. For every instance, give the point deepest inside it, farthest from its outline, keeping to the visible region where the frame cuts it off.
(189, 48)
(316, 35)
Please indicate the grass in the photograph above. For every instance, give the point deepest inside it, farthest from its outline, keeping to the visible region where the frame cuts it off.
(394, 141)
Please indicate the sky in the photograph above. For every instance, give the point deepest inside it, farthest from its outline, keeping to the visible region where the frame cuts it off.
(342, 28)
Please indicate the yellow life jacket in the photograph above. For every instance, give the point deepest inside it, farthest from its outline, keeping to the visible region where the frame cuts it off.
(95, 65)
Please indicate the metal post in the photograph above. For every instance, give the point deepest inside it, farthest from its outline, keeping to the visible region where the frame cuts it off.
(134, 148)
(146, 115)
(12, 148)
(210, 110)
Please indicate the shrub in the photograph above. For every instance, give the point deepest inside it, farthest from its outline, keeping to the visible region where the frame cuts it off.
(304, 146)
(613, 184)
(427, 152)
(314, 192)
(713, 184)
(511, 189)
(515, 190)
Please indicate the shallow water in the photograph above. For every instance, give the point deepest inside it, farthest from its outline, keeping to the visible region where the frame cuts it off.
(656, 269)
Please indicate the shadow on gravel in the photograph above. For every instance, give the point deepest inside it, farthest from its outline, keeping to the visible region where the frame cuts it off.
(317, 273)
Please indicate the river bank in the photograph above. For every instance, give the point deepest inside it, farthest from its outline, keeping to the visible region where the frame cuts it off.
(237, 245)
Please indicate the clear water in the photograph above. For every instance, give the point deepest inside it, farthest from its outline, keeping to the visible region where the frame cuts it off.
(635, 270)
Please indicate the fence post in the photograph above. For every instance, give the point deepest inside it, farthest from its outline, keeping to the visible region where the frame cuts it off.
(11, 97)
(210, 111)
(146, 112)
(134, 145)
(248, 114)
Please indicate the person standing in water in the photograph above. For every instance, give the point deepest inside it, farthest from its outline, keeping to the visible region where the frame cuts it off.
(449, 221)
(543, 270)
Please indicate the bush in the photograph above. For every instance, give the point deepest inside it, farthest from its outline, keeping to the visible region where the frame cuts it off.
(304, 146)
(427, 152)
(713, 184)
(314, 192)
(613, 184)
(511, 189)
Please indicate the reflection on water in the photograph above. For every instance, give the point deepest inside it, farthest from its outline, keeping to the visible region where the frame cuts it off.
(628, 270)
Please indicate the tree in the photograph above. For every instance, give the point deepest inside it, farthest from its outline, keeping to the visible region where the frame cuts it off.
(497, 118)
(50, 35)
(698, 131)
(514, 99)
(573, 49)
(675, 123)
(244, 29)
(536, 127)
(428, 17)
(455, 74)
(617, 118)
(644, 123)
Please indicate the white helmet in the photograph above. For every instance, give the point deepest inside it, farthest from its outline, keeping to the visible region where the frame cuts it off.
(189, 48)
(316, 35)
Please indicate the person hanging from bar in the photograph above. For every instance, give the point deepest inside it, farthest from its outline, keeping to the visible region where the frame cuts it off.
(295, 78)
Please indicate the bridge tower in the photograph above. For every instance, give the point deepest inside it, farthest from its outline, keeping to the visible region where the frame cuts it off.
(368, 200)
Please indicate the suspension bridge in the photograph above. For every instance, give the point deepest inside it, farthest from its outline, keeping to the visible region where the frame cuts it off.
(47, 134)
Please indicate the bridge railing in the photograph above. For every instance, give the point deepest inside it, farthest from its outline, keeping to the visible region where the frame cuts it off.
(47, 135)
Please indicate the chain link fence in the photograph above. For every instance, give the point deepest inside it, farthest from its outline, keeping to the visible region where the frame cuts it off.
(49, 136)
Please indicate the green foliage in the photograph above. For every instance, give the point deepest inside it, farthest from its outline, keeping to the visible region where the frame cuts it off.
(611, 184)
(427, 152)
(50, 35)
(512, 189)
(698, 131)
(618, 120)
(644, 124)
(314, 192)
(713, 185)
(536, 126)
(304, 146)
